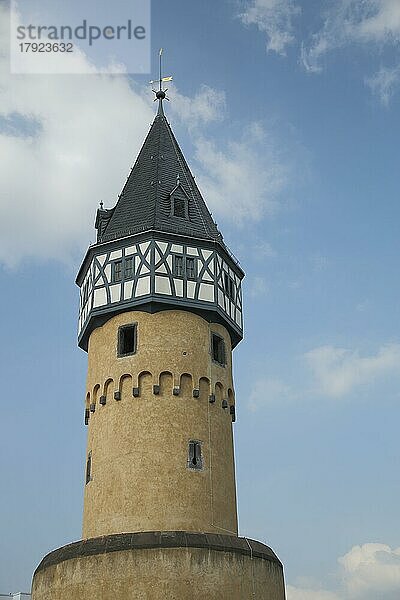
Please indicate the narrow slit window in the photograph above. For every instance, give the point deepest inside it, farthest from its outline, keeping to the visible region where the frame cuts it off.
(129, 267)
(190, 268)
(218, 349)
(179, 208)
(195, 459)
(177, 266)
(117, 271)
(89, 468)
(127, 340)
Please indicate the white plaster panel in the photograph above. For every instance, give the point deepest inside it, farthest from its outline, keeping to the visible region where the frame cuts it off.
(163, 246)
(169, 261)
(157, 256)
(100, 297)
(191, 286)
(206, 253)
(206, 292)
(162, 269)
(115, 255)
(107, 272)
(143, 286)
(177, 248)
(221, 299)
(144, 270)
(163, 285)
(207, 276)
(144, 246)
(102, 259)
(192, 251)
(178, 287)
(130, 250)
(115, 291)
(128, 285)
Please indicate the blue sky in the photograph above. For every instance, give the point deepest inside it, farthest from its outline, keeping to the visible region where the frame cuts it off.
(288, 113)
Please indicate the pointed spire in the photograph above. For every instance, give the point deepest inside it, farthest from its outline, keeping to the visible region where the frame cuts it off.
(159, 174)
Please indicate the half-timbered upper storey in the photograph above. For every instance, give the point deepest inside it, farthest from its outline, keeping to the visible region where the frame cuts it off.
(159, 247)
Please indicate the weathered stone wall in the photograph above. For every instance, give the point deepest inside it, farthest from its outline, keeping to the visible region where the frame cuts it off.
(181, 573)
(139, 445)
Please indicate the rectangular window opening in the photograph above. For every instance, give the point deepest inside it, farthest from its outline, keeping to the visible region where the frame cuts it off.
(218, 349)
(129, 267)
(127, 340)
(191, 268)
(177, 266)
(229, 286)
(117, 271)
(179, 208)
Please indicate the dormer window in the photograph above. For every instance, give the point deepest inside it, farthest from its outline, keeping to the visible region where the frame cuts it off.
(179, 209)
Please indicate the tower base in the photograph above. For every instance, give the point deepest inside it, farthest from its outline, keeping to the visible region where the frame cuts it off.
(160, 565)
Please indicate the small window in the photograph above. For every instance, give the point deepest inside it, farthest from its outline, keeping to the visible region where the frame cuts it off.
(229, 286)
(218, 349)
(191, 268)
(117, 271)
(177, 265)
(127, 340)
(179, 208)
(89, 468)
(129, 267)
(195, 459)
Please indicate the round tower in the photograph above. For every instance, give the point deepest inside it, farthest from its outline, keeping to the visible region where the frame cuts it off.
(160, 313)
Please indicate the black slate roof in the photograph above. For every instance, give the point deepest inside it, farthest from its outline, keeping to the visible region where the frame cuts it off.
(145, 202)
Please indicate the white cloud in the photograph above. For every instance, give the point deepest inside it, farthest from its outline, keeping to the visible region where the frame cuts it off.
(68, 143)
(366, 572)
(384, 83)
(207, 106)
(372, 571)
(352, 21)
(297, 593)
(275, 18)
(338, 371)
(244, 179)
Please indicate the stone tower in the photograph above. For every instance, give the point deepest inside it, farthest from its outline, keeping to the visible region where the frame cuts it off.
(160, 312)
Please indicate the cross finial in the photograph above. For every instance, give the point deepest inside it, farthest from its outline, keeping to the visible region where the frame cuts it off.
(160, 93)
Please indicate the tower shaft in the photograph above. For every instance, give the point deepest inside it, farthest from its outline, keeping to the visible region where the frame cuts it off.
(160, 447)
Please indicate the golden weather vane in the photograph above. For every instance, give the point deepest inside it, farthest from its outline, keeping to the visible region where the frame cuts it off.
(160, 93)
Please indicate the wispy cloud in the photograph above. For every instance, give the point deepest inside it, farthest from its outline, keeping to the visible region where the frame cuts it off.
(384, 83)
(351, 21)
(329, 372)
(338, 371)
(274, 18)
(366, 572)
(242, 180)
